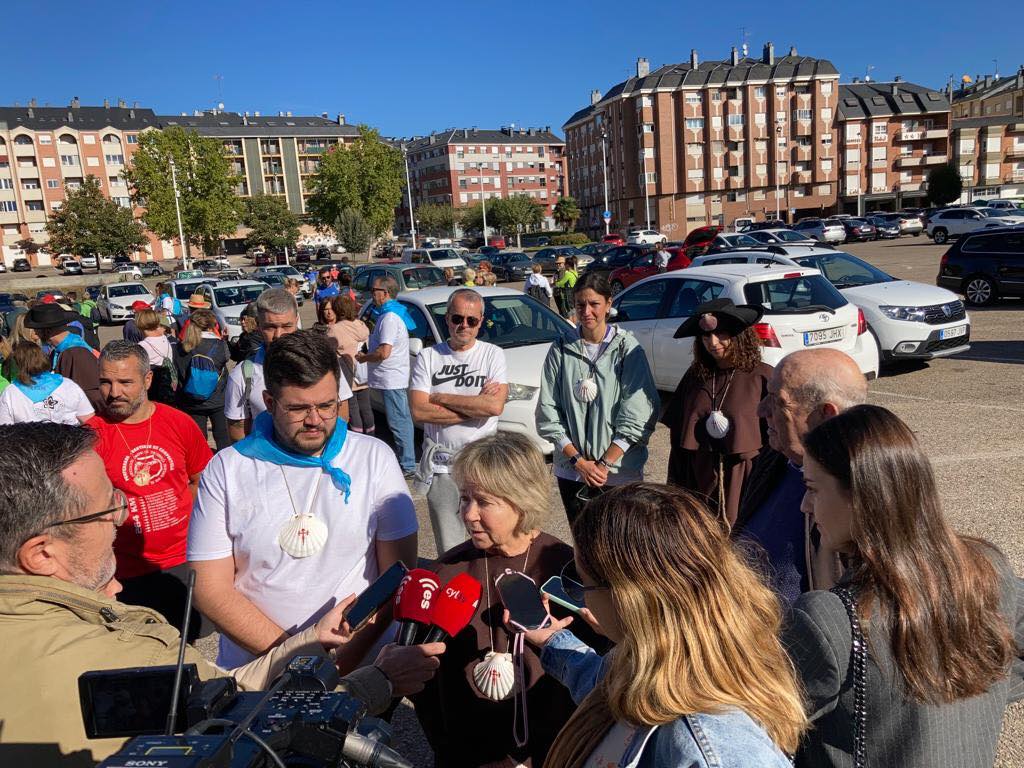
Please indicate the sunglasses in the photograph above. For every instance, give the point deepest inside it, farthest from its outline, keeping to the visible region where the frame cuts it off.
(572, 585)
(469, 320)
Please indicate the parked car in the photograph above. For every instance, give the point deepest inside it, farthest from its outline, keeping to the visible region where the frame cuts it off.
(725, 241)
(645, 265)
(769, 236)
(617, 257)
(614, 238)
(536, 241)
(21, 265)
(954, 222)
(323, 253)
(497, 241)
(273, 280)
(822, 230)
(885, 229)
(759, 225)
(593, 250)
(645, 237)
(131, 270)
(410, 277)
(434, 257)
(546, 256)
(89, 262)
(287, 271)
(484, 251)
(1008, 215)
(1005, 205)
(859, 230)
(985, 265)
(114, 302)
(511, 266)
(522, 327)
(183, 288)
(801, 310)
(227, 300)
(70, 267)
(698, 240)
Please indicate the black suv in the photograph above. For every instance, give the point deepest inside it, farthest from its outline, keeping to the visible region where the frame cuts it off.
(985, 265)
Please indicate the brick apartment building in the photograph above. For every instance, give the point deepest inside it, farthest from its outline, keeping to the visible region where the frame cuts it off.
(988, 137)
(462, 166)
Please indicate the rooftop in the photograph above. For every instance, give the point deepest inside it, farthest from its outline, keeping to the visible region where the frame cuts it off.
(987, 85)
(219, 123)
(861, 100)
(507, 135)
(78, 118)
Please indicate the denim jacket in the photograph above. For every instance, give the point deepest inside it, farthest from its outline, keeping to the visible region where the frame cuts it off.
(729, 739)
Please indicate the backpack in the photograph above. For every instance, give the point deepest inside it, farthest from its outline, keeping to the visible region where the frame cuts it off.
(203, 377)
(247, 372)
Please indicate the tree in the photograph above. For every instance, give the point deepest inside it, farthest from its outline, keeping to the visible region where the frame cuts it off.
(89, 224)
(367, 176)
(435, 219)
(28, 245)
(566, 213)
(472, 217)
(354, 231)
(944, 184)
(209, 207)
(272, 223)
(515, 214)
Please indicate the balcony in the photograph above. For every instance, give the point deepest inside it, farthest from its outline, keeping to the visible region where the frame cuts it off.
(1016, 177)
(937, 133)
(23, 150)
(936, 159)
(1015, 151)
(911, 135)
(909, 160)
(911, 186)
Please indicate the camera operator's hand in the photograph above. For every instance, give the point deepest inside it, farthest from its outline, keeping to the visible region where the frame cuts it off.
(409, 667)
(332, 630)
(539, 637)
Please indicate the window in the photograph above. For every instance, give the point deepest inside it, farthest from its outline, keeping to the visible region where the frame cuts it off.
(23, 140)
(826, 140)
(760, 118)
(735, 172)
(9, 184)
(53, 184)
(803, 141)
(643, 302)
(780, 117)
(879, 131)
(695, 123)
(716, 121)
(694, 148)
(33, 205)
(761, 169)
(690, 295)
(92, 162)
(803, 114)
(826, 165)
(69, 160)
(826, 115)
(693, 98)
(736, 120)
(8, 206)
(25, 184)
(45, 138)
(760, 92)
(111, 139)
(131, 138)
(780, 92)
(716, 95)
(905, 150)
(826, 88)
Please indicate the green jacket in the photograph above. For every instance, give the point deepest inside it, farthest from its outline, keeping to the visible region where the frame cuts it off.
(567, 280)
(4, 383)
(52, 631)
(626, 406)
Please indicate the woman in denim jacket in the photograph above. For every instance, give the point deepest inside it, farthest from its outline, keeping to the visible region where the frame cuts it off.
(698, 677)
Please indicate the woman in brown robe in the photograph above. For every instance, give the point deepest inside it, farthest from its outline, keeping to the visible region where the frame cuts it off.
(715, 429)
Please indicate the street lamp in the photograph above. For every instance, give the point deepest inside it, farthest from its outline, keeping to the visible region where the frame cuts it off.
(647, 196)
(483, 201)
(408, 189)
(177, 211)
(778, 143)
(604, 168)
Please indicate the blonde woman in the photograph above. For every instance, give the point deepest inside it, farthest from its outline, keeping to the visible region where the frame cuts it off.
(698, 676)
(160, 349)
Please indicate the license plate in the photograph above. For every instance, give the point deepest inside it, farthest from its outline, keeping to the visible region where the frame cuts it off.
(812, 338)
(952, 333)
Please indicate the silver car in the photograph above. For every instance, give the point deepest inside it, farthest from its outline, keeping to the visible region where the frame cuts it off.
(228, 298)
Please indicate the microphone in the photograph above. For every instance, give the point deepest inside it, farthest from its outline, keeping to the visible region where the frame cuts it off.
(454, 608)
(412, 603)
(369, 752)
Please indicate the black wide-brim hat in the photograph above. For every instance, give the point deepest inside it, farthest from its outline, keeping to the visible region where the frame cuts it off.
(48, 316)
(729, 317)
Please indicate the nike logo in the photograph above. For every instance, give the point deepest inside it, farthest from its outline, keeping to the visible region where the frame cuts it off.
(436, 381)
(459, 374)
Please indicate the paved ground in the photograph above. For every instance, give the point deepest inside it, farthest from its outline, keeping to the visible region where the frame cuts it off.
(968, 412)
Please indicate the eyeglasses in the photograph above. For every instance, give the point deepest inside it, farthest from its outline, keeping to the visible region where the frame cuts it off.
(325, 411)
(119, 512)
(573, 587)
(469, 320)
(378, 290)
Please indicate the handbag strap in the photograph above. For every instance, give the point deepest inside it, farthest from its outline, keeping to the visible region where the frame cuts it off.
(858, 667)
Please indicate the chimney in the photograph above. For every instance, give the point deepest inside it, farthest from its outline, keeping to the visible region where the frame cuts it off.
(288, 114)
(988, 81)
(323, 115)
(595, 96)
(280, 113)
(135, 105)
(31, 113)
(768, 56)
(341, 118)
(735, 57)
(75, 103)
(71, 117)
(256, 114)
(121, 104)
(895, 89)
(693, 58)
(792, 50)
(465, 133)
(1020, 77)
(32, 102)
(643, 67)
(131, 114)
(245, 119)
(106, 103)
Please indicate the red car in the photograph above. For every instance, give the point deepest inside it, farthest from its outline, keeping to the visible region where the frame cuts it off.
(614, 239)
(645, 266)
(497, 241)
(697, 242)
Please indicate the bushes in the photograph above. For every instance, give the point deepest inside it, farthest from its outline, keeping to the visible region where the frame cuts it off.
(574, 238)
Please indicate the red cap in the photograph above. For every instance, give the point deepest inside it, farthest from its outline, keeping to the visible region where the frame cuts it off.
(138, 306)
(456, 603)
(49, 299)
(415, 596)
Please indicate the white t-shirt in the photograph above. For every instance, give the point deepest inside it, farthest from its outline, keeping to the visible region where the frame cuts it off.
(439, 369)
(62, 406)
(392, 373)
(234, 392)
(158, 348)
(242, 504)
(535, 279)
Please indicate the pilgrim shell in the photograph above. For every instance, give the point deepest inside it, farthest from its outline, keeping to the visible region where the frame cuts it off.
(302, 536)
(495, 676)
(585, 390)
(717, 424)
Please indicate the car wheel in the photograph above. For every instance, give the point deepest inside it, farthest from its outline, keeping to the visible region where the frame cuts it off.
(617, 287)
(940, 236)
(979, 291)
(917, 234)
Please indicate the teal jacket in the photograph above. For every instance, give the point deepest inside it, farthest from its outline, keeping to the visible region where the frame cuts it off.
(626, 406)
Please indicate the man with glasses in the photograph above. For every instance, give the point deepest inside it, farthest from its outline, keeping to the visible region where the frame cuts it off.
(457, 393)
(299, 514)
(153, 454)
(59, 616)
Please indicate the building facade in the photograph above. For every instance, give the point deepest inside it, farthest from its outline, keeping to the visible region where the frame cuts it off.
(462, 166)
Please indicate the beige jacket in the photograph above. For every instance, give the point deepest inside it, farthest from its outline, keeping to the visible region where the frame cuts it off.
(52, 631)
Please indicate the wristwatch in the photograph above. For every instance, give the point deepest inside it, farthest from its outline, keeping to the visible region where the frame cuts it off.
(574, 459)
(602, 462)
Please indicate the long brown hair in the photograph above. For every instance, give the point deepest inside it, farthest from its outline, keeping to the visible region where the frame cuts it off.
(938, 593)
(744, 355)
(700, 629)
(30, 361)
(198, 321)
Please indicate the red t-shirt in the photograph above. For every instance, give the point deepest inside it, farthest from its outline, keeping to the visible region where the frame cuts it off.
(152, 462)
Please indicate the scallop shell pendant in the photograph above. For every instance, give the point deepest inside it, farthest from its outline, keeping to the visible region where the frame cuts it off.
(495, 676)
(302, 536)
(717, 424)
(585, 390)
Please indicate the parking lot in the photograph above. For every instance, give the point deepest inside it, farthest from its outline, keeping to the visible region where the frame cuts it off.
(968, 412)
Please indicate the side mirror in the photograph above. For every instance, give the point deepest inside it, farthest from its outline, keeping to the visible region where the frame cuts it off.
(415, 346)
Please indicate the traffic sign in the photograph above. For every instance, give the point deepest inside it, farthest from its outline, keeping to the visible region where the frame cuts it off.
(606, 215)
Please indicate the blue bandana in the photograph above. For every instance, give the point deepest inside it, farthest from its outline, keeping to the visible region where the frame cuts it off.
(393, 306)
(261, 445)
(71, 340)
(42, 386)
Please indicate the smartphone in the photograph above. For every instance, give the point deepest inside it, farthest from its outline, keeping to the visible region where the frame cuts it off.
(521, 597)
(375, 596)
(553, 589)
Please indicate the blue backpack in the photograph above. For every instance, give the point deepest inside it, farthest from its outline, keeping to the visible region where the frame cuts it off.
(203, 377)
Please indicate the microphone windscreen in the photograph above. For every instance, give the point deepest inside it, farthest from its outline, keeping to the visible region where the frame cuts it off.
(456, 603)
(416, 595)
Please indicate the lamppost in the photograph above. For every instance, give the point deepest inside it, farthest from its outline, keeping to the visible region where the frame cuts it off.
(408, 189)
(647, 197)
(483, 201)
(779, 142)
(604, 168)
(185, 260)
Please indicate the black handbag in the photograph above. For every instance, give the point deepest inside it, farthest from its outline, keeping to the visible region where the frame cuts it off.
(858, 669)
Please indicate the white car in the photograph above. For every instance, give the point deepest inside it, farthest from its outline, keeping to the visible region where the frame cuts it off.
(227, 300)
(522, 327)
(954, 222)
(910, 321)
(114, 302)
(822, 230)
(132, 270)
(802, 311)
(780, 237)
(88, 262)
(1014, 216)
(435, 257)
(645, 237)
(287, 271)
(1004, 205)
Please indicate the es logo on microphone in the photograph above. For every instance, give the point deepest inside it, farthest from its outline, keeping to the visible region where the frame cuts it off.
(429, 587)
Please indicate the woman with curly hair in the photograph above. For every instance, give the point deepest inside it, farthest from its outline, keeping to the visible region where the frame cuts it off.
(715, 430)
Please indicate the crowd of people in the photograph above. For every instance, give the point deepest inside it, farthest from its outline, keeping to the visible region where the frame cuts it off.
(789, 592)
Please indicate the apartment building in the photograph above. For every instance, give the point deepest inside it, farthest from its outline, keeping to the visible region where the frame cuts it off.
(45, 150)
(891, 135)
(462, 166)
(988, 137)
(708, 142)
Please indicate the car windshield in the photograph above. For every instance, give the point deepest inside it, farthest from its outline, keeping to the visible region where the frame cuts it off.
(796, 294)
(272, 278)
(238, 294)
(845, 271)
(512, 321)
(789, 236)
(440, 254)
(132, 289)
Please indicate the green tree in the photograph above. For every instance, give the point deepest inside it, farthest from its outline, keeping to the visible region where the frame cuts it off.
(89, 224)
(566, 213)
(209, 207)
(354, 231)
(436, 219)
(368, 176)
(944, 184)
(272, 223)
(472, 217)
(515, 215)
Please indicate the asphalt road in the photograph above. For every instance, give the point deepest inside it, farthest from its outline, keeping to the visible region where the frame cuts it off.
(968, 412)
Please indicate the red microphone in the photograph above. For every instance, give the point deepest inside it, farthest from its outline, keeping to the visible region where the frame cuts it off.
(454, 607)
(412, 603)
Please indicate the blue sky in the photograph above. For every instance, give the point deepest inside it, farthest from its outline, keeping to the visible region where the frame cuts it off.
(409, 68)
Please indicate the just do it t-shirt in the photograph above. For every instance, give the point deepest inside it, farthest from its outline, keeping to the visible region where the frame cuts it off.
(165, 450)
